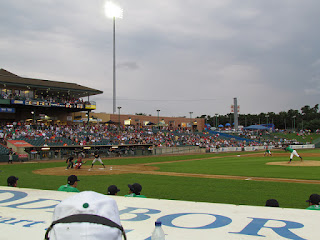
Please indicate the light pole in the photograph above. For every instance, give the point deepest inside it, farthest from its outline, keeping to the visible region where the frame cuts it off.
(88, 115)
(158, 119)
(294, 123)
(216, 120)
(113, 11)
(191, 120)
(267, 116)
(285, 124)
(119, 118)
(32, 116)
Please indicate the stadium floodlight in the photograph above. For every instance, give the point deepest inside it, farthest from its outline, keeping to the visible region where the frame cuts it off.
(113, 11)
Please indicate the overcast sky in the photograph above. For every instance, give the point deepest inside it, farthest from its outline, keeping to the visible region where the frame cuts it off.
(178, 56)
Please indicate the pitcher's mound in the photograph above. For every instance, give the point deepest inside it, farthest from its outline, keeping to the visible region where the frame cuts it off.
(297, 163)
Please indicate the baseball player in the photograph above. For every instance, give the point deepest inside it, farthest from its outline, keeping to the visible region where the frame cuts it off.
(97, 158)
(79, 162)
(267, 152)
(81, 154)
(293, 152)
(70, 162)
(11, 153)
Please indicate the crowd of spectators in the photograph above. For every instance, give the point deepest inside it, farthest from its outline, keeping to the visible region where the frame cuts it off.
(110, 134)
(102, 134)
(272, 139)
(43, 98)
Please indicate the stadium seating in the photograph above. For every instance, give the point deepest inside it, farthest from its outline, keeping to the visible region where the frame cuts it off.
(3, 150)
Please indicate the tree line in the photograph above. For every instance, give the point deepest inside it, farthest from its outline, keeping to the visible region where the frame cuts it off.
(307, 118)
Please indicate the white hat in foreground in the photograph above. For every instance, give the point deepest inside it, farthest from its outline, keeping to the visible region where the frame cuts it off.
(86, 215)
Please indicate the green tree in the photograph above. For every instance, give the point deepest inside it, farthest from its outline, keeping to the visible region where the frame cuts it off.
(312, 124)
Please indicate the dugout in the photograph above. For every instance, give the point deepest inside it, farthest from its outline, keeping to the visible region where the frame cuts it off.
(63, 152)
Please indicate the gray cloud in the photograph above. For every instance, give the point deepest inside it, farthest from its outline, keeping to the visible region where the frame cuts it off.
(177, 56)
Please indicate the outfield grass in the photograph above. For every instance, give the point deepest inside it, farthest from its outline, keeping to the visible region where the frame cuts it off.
(251, 166)
(290, 195)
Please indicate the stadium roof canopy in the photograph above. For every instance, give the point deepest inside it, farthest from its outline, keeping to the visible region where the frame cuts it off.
(8, 79)
(256, 127)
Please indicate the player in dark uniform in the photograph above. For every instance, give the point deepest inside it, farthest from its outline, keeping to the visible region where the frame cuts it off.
(97, 158)
(70, 162)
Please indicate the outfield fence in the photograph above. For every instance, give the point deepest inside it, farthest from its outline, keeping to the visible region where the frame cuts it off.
(257, 148)
(178, 150)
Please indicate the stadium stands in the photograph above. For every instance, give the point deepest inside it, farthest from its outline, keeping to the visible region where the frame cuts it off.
(3, 150)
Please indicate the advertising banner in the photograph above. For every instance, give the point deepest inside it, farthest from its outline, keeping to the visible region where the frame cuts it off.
(32, 102)
(23, 156)
(26, 213)
(307, 146)
(92, 107)
(8, 110)
(20, 143)
(256, 148)
(17, 102)
(226, 149)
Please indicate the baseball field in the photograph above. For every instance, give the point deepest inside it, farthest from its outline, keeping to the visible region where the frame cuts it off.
(246, 178)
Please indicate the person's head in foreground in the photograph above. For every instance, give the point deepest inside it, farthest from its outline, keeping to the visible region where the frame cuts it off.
(73, 180)
(86, 215)
(113, 190)
(314, 199)
(272, 203)
(12, 181)
(135, 188)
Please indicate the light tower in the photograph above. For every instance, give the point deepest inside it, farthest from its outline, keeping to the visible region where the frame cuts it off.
(113, 11)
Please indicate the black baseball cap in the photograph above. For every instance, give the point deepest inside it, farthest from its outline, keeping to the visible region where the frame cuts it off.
(72, 179)
(272, 203)
(135, 188)
(314, 199)
(112, 190)
(12, 180)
